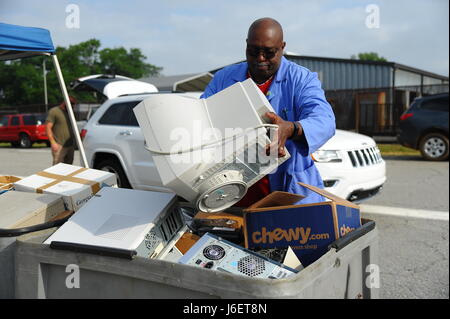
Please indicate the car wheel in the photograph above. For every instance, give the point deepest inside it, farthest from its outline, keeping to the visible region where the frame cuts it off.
(24, 141)
(434, 147)
(113, 166)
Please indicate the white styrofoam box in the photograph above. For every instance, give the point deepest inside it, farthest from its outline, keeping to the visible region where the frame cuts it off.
(74, 183)
(22, 209)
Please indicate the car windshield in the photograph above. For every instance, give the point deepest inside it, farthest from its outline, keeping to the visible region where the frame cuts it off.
(40, 119)
(3, 121)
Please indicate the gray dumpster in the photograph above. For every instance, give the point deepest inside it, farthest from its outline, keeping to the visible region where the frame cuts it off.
(42, 272)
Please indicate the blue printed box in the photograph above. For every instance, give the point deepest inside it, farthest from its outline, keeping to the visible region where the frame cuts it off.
(308, 229)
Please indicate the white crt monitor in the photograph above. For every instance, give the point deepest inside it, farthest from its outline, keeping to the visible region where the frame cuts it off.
(209, 151)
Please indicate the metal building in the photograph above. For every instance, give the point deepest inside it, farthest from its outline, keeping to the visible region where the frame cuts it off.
(349, 74)
(180, 83)
(370, 96)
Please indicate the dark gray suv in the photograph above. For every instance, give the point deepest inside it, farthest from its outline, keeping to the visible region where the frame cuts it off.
(424, 126)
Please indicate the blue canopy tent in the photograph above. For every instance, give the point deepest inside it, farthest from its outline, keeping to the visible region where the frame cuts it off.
(20, 42)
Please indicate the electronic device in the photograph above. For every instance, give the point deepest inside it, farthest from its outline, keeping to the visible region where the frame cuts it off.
(209, 151)
(124, 221)
(212, 252)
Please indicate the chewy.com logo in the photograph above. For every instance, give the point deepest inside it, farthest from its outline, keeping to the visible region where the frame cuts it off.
(299, 234)
(345, 230)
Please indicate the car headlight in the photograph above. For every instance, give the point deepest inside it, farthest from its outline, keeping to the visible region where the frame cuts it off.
(326, 156)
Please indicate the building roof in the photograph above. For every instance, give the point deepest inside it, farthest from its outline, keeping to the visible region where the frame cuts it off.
(166, 82)
(381, 63)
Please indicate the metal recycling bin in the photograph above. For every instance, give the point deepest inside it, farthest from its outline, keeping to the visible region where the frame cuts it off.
(42, 272)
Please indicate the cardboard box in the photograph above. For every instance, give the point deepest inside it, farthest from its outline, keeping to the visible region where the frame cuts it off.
(308, 229)
(22, 209)
(75, 184)
(6, 182)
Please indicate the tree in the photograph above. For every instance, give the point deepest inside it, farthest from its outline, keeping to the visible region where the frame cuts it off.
(369, 56)
(21, 81)
(119, 61)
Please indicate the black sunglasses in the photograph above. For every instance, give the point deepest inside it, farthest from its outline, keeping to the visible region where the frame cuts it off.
(268, 53)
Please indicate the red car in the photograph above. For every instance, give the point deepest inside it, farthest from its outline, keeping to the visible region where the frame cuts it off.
(23, 129)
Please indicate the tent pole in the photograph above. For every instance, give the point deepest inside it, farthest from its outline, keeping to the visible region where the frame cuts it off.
(44, 72)
(70, 110)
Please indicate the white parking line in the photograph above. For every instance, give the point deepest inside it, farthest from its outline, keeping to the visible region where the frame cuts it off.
(404, 212)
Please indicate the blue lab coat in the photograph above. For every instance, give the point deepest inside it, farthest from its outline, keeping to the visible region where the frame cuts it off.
(296, 95)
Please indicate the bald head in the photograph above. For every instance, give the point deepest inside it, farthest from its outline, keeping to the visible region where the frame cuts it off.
(264, 48)
(266, 25)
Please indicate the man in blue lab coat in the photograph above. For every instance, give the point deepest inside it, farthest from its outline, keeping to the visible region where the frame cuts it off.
(305, 119)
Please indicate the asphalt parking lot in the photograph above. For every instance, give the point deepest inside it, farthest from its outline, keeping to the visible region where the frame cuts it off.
(414, 183)
(414, 233)
(413, 224)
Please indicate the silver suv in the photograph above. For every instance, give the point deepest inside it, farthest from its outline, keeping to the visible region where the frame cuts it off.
(350, 164)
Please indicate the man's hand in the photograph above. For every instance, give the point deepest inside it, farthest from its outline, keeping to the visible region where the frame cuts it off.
(285, 130)
(55, 147)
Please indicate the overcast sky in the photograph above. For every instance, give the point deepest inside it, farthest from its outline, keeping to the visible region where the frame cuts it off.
(191, 36)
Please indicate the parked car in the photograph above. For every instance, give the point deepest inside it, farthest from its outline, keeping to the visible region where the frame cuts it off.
(23, 129)
(349, 163)
(424, 126)
(351, 166)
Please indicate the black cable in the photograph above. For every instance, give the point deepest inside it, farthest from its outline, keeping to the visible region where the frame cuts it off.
(5, 232)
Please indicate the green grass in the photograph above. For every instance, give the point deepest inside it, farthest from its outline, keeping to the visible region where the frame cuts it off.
(35, 145)
(396, 150)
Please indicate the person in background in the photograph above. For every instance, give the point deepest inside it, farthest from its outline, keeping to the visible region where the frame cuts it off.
(60, 133)
(304, 117)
